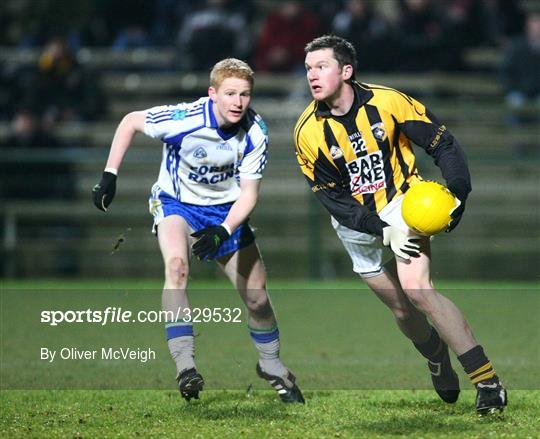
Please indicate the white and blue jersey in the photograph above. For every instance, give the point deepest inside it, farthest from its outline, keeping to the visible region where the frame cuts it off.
(202, 164)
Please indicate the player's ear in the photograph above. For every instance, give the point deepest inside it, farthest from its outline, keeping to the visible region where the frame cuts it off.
(212, 92)
(347, 72)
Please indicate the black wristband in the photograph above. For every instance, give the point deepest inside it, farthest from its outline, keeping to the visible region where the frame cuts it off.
(108, 177)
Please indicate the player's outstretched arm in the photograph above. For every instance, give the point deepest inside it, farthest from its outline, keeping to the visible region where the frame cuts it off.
(103, 192)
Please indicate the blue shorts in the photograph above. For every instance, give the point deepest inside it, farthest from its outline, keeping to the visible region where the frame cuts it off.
(200, 217)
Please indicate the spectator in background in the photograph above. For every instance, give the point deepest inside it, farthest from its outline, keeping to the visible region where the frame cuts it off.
(465, 19)
(167, 15)
(129, 22)
(13, 81)
(27, 132)
(285, 32)
(131, 37)
(361, 24)
(35, 178)
(520, 70)
(426, 38)
(29, 172)
(216, 31)
(501, 20)
(61, 90)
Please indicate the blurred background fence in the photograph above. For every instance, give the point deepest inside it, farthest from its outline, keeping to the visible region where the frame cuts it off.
(51, 228)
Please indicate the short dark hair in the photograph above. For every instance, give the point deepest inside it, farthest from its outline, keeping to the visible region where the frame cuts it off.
(344, 51)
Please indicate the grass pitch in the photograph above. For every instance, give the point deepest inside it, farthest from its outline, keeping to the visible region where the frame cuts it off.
(359, 376)
(231, 414)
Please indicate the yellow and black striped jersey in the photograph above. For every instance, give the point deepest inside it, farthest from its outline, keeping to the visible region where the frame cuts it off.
(359, 162)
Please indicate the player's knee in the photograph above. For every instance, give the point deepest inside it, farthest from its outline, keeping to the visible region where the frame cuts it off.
(414, 286)
(415, 282)
(176, 270)
(402, 315)
(420, 298)
(259, 305)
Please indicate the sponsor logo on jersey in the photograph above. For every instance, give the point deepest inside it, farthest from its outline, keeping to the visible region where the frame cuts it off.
(354, 136)
(378, 131)
(358, 144)
(367, 174)
(178, 114)
(436, 140)
(322, 186)
(224, 146)
(336, 152)
(211, 174)
(200, 153)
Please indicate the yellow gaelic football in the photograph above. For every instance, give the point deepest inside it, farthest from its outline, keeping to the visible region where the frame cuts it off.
(426, 207)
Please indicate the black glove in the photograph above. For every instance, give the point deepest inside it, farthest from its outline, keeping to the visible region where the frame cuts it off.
(210, 239)
(456, 216)
(103, 192)
(461, 194)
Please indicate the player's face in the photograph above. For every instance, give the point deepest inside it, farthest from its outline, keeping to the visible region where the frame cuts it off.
(324, 75)
(231, 100)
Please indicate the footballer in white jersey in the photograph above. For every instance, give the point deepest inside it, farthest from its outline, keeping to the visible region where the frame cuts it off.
(214, 153)
(202, 162)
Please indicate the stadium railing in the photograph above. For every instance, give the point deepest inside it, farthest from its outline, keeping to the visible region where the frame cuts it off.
(155, 58)
(292, 229)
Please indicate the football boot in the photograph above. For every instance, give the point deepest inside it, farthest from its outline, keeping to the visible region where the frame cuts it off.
(490, 397)
(286, 387)
(190, 383)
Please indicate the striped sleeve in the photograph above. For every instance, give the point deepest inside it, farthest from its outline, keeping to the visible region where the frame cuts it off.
(255, 154)
(163, 120)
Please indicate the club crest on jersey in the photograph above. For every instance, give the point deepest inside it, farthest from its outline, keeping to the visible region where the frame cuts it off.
(378, 131)
(200, 153)
(336, 152)
(178, 114)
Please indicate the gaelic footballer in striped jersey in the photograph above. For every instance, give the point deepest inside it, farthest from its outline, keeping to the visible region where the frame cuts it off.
(214, 153)
(354, 145)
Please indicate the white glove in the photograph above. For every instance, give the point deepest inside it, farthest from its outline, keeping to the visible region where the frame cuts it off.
(402, 245)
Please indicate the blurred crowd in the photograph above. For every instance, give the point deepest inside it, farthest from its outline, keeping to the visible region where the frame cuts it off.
(390, 35)
(270, 33)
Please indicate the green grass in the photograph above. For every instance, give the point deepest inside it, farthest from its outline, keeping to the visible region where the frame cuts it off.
(361, 378)
(233, 414)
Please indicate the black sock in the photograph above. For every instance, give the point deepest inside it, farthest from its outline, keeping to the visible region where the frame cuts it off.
(477, 366)
(434, 349)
